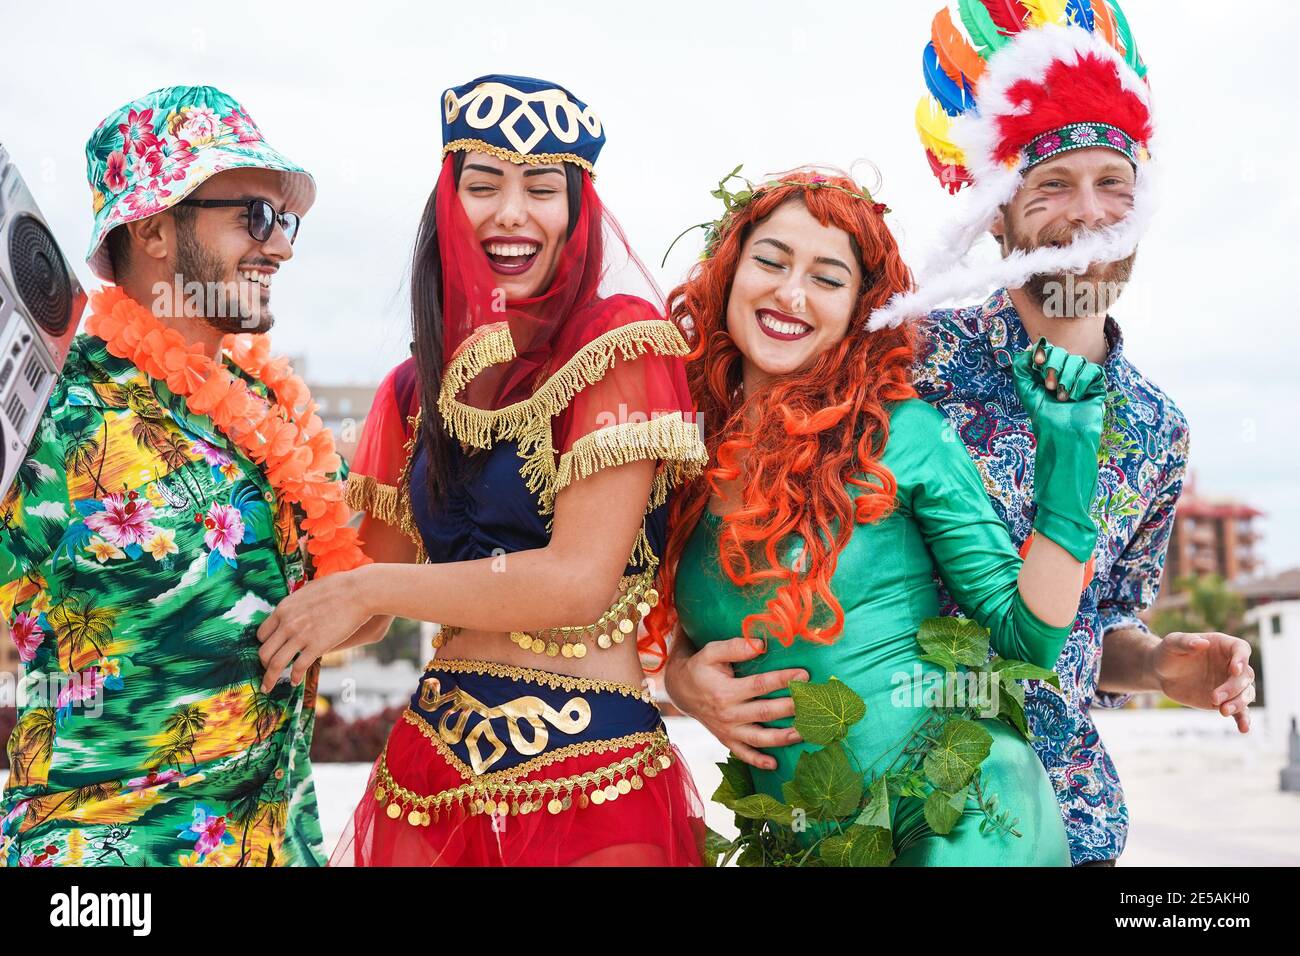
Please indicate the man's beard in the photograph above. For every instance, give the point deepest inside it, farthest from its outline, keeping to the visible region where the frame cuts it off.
(1066, 295)
(230, 306)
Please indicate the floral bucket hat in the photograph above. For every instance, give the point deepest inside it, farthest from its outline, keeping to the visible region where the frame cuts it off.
(156, 150)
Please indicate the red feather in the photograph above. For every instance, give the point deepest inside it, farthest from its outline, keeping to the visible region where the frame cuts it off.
(1089, 90)
(949, 176)
(957, 57)
(1008, 15)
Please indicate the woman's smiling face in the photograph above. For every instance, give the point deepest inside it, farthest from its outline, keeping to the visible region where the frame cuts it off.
(795, 290)
(520, 216)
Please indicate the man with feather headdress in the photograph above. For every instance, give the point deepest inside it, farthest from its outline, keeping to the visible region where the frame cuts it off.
(1045, 113)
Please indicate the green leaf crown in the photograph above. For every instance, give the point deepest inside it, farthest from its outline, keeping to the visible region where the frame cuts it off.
(734, 202)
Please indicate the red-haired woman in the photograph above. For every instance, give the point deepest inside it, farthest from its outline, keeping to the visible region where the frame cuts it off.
(833, 495)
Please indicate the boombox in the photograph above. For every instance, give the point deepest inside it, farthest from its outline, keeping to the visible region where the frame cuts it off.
(41, 303)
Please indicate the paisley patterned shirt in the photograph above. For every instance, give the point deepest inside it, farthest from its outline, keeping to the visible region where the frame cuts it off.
(138, 554)
(963, 370)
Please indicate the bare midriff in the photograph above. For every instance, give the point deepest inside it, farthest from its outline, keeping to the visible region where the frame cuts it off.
(619, 663)
(604, 650)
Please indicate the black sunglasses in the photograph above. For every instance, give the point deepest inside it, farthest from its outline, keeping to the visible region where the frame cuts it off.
(262, 216)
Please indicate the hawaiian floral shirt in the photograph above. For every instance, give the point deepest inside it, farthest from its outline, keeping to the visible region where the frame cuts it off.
(139, 552)
(964, 371)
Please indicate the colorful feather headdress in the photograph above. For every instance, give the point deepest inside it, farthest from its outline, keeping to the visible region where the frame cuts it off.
(1027, 81)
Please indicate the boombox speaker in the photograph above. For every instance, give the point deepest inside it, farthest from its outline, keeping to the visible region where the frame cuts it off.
(40, 306)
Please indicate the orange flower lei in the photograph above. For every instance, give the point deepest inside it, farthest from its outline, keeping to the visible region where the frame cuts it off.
(286, 437)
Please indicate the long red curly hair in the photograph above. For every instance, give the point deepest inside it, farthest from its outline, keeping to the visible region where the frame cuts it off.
(818, 430)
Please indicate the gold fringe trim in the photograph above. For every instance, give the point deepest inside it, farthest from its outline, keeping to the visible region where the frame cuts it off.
(373, 497)
(528, 796)
(488, 346)
(668, 437)
(480, 427)
(643, 554)
(565, 682)
(608, 629)
(390, 504)
(510, 155)
(529, 422)
(582, 749)
(673, 474)
(402, 506)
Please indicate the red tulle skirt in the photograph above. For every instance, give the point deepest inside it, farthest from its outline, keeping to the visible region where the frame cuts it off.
(621, 800)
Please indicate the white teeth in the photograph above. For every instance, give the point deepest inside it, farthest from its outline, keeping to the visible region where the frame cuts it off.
(785, 328)
(261, 278)
(512, 249)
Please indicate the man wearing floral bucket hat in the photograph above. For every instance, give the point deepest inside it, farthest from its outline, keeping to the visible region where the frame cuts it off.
(1046, 116)
(180, 485)
(161, 154)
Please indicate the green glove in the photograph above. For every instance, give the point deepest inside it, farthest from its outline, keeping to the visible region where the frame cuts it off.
(1068, 436)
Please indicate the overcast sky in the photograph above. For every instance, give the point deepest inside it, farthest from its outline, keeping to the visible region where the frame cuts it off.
(687, 90)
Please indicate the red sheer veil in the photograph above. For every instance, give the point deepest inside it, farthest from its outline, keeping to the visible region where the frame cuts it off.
(552, 369)
(545, 371)
(597, 273)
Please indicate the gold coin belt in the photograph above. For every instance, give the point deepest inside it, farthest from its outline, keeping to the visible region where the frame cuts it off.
(593, 788)
(636, 597)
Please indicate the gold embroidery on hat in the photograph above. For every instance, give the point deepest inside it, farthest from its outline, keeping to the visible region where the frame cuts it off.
(510, 156)
(524, 145)
(486, 102)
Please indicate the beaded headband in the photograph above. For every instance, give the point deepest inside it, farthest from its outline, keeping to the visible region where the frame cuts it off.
(1052, 143)
(522, 120)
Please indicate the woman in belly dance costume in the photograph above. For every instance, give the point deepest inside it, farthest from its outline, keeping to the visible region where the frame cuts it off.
(514, 473)
(833, 495)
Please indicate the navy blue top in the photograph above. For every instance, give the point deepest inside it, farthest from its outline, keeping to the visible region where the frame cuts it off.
(494, 512)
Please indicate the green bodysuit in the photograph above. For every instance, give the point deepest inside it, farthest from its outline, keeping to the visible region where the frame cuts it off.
(884, 580)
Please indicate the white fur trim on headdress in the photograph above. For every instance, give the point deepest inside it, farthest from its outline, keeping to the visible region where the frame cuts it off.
(945, 276)
(963, 279)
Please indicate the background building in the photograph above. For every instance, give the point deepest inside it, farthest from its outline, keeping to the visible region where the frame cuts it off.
(1213, 536)
(343, 408)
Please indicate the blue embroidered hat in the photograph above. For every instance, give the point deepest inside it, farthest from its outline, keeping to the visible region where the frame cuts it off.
(520, 119)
